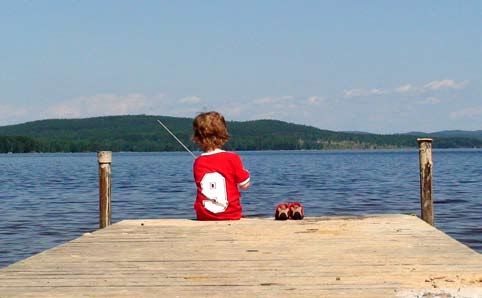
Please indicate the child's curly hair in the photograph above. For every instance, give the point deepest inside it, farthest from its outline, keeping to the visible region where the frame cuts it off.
(210, 131)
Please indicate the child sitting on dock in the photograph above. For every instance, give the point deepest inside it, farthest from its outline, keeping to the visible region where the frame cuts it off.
(218, 174)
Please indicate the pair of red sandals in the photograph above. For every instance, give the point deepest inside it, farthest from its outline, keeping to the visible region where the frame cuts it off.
(293, 210)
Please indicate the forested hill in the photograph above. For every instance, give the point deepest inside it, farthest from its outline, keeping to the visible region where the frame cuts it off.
(143, 133)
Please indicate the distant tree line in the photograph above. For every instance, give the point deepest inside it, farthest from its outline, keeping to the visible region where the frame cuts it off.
(18, 144)
(141, 133)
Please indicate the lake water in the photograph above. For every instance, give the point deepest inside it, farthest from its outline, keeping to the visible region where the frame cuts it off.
(48, 199)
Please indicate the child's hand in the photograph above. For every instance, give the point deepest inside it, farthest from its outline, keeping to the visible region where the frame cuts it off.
(244, 186)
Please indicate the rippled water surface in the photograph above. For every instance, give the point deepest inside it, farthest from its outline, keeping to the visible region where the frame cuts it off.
(48, 199)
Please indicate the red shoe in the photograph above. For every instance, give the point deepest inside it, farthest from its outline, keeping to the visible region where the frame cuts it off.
(282, 212)
(296, 211)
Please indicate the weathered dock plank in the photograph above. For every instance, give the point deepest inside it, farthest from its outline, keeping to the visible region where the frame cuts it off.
(370, 256)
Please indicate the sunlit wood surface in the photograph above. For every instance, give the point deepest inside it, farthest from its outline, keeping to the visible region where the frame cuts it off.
(368, 256)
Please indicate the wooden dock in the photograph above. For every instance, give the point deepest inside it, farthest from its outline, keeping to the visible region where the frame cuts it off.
(368, 256)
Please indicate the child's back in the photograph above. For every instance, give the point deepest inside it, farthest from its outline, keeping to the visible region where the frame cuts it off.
(217, 173)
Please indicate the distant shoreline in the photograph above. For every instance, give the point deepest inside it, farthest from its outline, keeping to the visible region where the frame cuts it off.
(388, 150)
(141, 133)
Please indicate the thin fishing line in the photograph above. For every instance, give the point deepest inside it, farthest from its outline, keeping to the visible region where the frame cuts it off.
(179, 141)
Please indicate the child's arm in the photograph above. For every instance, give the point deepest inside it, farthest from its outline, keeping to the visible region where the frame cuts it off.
(241, 174)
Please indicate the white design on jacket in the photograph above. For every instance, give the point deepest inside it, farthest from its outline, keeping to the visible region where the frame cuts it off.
(213, 187)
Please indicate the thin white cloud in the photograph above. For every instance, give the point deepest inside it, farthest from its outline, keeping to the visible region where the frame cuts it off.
(314, 100)
(445, 84)
(273, 99)
(267, 115)
(111, 104)
(472, 112)
(363, 92)
(183, 112)
(99, 104)
(336, 113)
(405, 88)
(268, 107)
(10, 113)
(432, 86)
(408, 88)
(190, 99)
(353, 92)
(234, 110)
(376, 91)
(264, 100)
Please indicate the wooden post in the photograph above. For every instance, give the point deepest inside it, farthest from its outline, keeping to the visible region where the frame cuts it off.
(426, 167)
(105, 160)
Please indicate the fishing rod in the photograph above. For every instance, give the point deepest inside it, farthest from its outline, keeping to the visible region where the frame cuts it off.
(179, 141)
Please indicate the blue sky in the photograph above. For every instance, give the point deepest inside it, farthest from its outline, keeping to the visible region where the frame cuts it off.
(376, 66)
